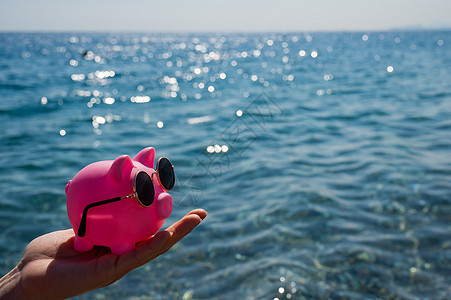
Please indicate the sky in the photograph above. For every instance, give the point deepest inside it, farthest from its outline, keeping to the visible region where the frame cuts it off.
(223, 16)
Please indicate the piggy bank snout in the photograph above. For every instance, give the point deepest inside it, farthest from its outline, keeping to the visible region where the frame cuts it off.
(164, 205)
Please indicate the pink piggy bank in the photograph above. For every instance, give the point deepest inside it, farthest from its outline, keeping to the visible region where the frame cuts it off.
(117, 203)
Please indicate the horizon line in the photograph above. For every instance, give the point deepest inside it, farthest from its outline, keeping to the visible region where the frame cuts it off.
(400, 29)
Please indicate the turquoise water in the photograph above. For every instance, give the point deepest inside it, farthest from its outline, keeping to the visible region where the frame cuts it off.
(323, 159)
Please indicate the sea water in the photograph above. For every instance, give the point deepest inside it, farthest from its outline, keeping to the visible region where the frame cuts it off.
(323, 159)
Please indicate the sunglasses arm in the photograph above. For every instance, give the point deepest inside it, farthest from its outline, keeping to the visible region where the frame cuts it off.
(82, 227)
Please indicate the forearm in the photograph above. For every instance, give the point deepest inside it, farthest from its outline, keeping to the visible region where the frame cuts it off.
(10, 287)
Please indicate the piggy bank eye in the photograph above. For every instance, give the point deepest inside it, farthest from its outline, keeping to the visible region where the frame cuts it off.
(144, 189)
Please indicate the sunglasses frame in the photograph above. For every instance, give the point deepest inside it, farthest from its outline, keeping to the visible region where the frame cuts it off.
(158, 173)
(82, 228)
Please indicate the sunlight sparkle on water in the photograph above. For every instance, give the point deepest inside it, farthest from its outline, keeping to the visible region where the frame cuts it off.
(328, 77)
(217, 148)
(78, 77)
(98, 120)
(109, 100)
(104, 74)
(198, 120)
(140, 99)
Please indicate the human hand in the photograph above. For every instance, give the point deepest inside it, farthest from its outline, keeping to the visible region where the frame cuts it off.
(52, 269)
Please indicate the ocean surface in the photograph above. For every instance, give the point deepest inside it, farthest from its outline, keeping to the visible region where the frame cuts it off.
(323, 159)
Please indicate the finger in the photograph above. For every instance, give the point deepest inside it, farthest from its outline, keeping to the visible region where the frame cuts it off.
(197, 213)
(181, 228)
(143, 252)
(161, 242)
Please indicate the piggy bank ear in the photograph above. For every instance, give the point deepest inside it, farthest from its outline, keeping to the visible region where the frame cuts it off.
(121, 168)
(67, 186)
(146, 157)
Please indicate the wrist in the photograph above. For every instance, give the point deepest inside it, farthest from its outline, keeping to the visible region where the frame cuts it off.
(10, 287)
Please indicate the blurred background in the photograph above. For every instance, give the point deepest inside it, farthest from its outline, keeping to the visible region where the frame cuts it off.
(316, 134)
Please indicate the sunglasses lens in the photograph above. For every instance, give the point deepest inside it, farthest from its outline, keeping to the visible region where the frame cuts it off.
(165, 173)
(144, 189)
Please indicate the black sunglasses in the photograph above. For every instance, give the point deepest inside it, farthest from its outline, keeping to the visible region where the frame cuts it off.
(143, 189)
